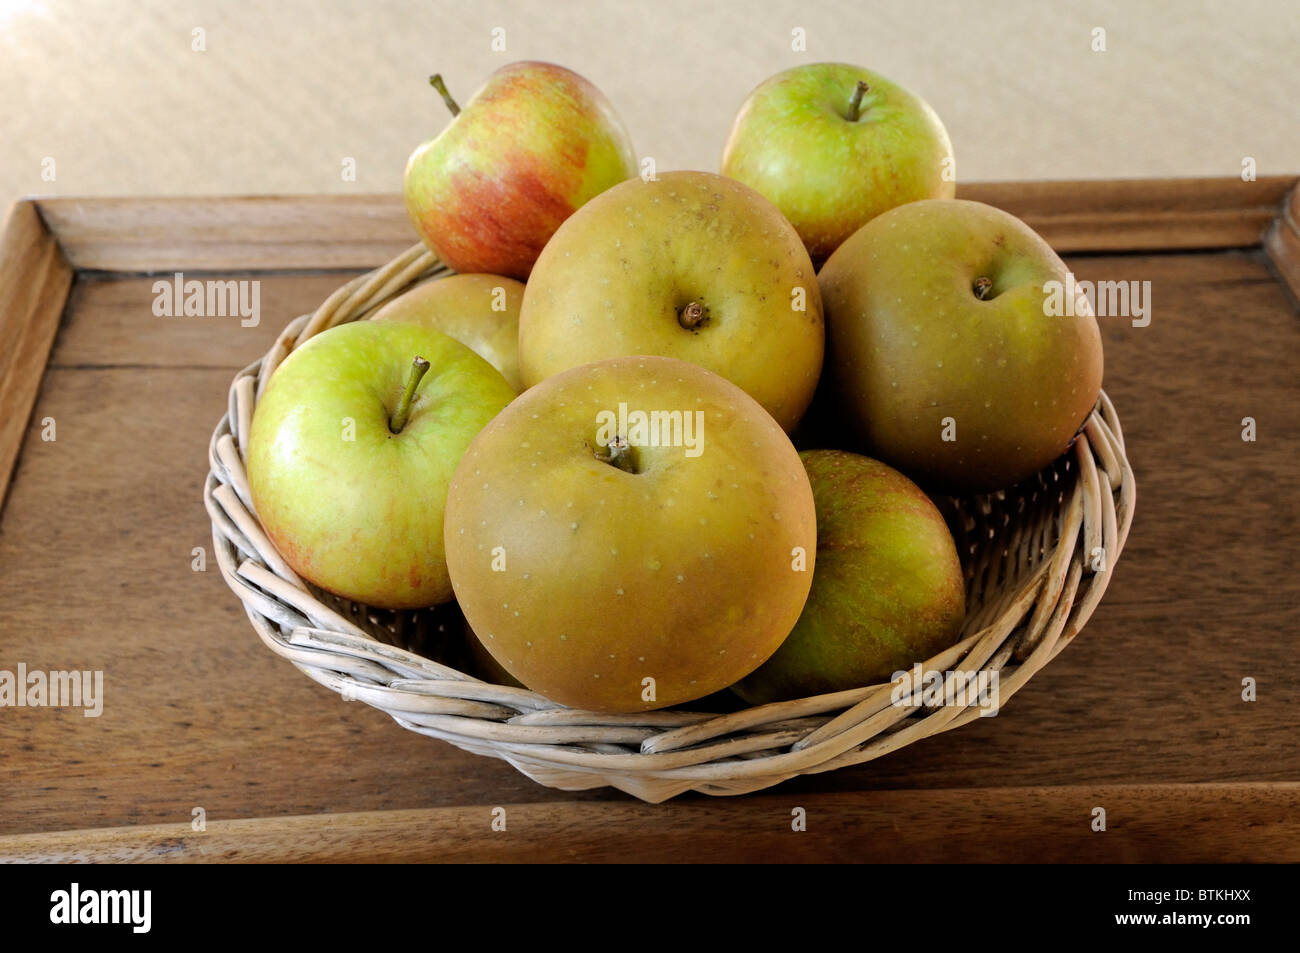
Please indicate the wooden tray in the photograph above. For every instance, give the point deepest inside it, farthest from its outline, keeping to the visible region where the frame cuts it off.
(1142, 716)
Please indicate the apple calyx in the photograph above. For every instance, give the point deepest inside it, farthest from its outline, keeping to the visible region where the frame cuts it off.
(403, 412)
(436, 82)
(983, 288)
(691, 316)
(619, 453)
(855, 101)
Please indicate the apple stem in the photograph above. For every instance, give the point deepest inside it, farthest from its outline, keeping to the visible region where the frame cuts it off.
(403, 413)
(619, 453)
(855, 101)
(691, 316)
(436, 82)
(982, 288)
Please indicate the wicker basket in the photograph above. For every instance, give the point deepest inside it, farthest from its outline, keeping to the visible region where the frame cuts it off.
(1037, 560)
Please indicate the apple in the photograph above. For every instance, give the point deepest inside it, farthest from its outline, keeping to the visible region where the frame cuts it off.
(479, 311)
(888, 590)
(833, 146)
(482, 664)
(631, 534)
(948, 355)
(352, 447)
(534, 144)
(690, 265)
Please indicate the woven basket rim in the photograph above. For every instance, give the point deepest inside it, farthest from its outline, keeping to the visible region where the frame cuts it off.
(1042, 599)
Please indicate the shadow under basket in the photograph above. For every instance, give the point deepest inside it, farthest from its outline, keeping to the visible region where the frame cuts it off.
(1037, 559)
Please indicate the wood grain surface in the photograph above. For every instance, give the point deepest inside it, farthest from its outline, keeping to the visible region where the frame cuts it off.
(97, 543)
(1181, 823)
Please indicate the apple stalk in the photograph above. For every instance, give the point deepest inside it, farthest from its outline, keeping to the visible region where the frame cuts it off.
(403, 412)
(436, 82)
(855, 101)
(691, 316)
(619, 453)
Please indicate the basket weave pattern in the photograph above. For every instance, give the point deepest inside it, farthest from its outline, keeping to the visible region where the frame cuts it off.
(1037, 560)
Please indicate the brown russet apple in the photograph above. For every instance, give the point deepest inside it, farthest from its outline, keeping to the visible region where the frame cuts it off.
(690, 265)
(951, 358)
(888, 590)
(479, 311)
(631, 534)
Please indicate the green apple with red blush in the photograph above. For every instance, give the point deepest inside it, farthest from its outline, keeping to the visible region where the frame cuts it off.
(351, 451)
(833, 146)
(533, 145)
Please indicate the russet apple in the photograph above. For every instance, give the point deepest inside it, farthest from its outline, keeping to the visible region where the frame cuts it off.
(631, 534)
(690, 265)
(949, 362)
(834, 145)
(534, 144)
(479, 311)
(888, 590)
(352, 448)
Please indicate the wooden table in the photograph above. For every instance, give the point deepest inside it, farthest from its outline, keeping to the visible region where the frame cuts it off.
(1143, 715)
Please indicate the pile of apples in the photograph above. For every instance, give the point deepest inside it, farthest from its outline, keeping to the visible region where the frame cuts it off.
(585, 436)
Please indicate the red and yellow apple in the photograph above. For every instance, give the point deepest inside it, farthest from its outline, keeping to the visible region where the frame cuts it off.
(532, 146)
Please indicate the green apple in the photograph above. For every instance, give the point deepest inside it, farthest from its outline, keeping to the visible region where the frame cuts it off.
(888, 590)
(947, 349)
(631, 534)
(534, 144)
(690, 265)
(479, 311)
(834, 145)
(352, 449)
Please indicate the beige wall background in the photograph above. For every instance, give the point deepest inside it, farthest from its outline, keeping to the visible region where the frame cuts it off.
(116, 95)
